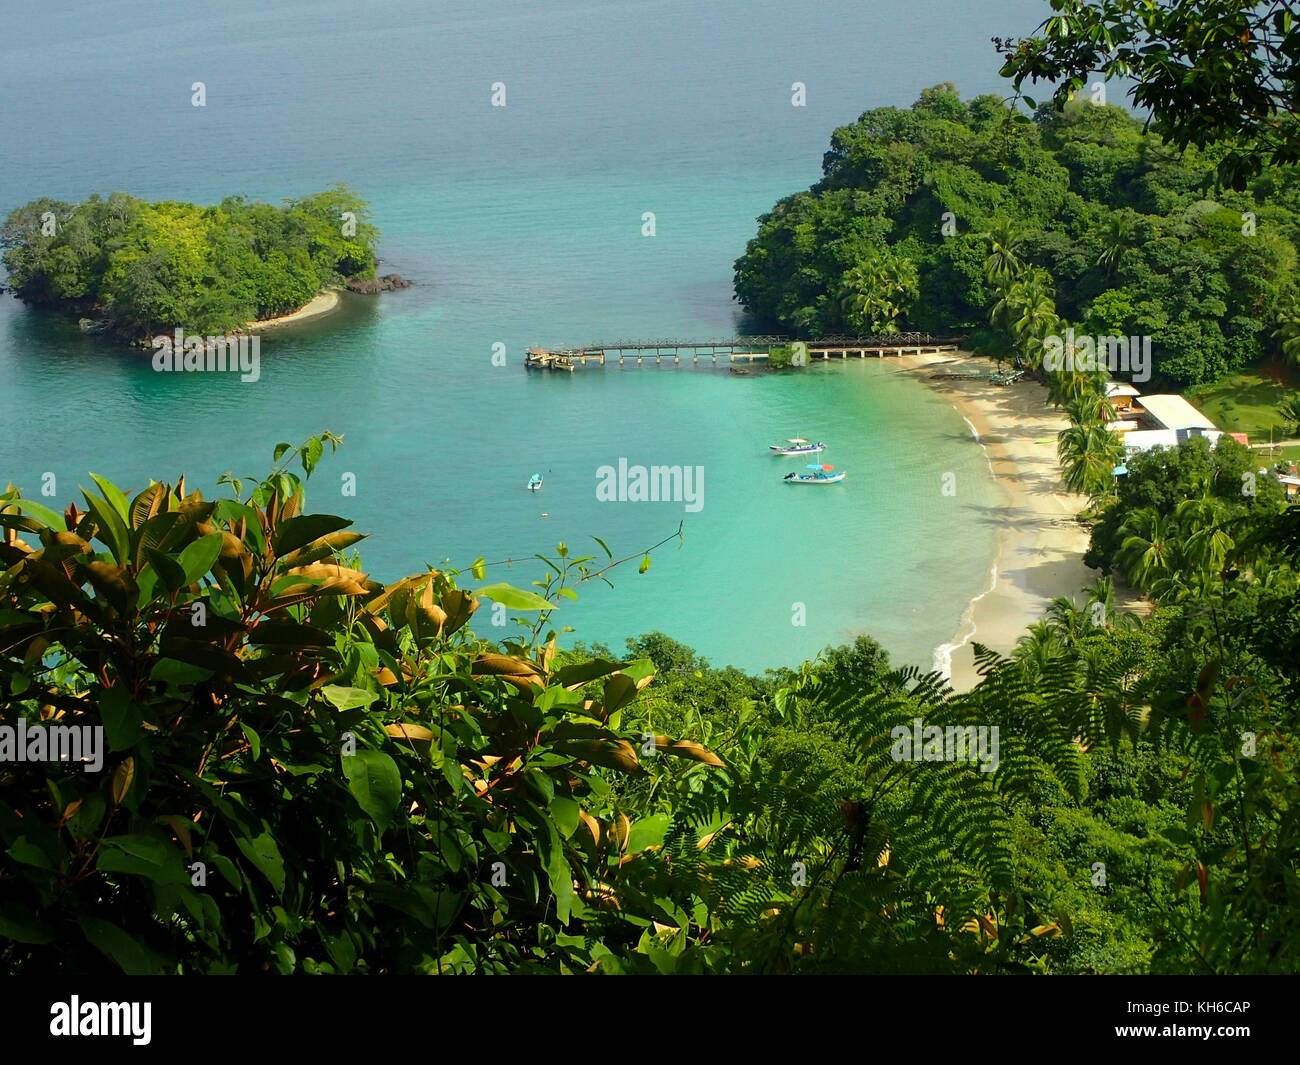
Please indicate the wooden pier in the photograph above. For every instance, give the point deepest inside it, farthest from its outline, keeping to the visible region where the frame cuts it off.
(745, 349)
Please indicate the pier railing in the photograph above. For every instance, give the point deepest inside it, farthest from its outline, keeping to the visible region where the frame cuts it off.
(737, 349)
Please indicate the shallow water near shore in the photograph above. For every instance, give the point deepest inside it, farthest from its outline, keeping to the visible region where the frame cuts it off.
(520, 226)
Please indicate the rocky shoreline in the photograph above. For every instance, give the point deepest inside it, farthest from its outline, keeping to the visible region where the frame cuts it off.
(375, 285)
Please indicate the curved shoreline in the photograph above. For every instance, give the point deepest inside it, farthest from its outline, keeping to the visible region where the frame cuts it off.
(318, 306)
(1040, 546)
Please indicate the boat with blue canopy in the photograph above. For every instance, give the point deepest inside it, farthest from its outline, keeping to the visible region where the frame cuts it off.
(818, 474)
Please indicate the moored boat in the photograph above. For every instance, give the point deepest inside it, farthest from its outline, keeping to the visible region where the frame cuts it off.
(816, 475)
(534, 482)
(797, 445)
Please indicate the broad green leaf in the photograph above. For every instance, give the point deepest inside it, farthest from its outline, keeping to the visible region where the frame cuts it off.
(582, 672)
(376, 784)
(265, 856)
(25, 851)
(130, 955)
(555, 696)
(143, 855)
(642, 671)
(21, 523)
(168, 570)
(52, 518)
(311, 453)
(254, 740)
(112, 528)
(200, 556)
(87, 818)
(648, 832)
(560, 876)
(21, 926)
(620, 689)
(565, 811)
(121, 716)
(302, 530)
(348, 698)
(115, 497)
(513, 598)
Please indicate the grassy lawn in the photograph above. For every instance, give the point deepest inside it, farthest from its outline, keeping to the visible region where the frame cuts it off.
(1247, 402)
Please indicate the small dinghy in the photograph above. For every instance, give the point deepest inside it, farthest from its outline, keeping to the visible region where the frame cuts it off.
(816, 475)
(797, 445)
(534, 482)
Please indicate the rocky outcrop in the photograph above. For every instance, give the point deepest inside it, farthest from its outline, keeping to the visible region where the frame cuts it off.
(371, 286)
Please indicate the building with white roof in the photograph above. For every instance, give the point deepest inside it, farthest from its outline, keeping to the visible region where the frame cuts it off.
(1174, 412)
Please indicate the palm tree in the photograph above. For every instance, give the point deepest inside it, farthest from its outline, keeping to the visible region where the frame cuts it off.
(1034, 316)
(1036, 649)
(1119, 239)
(1072, 382)
(1149, 547)
(1067, 620)
(1002, 264)
(1101, 609)
(1006, 310)
(1290, 410)
(1206, 540)
(1288, 333)
(874, 294)
(1088, 406)
(1089, 455)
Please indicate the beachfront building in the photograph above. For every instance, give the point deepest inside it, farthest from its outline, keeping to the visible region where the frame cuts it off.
(1164, 421)
(1121, 395)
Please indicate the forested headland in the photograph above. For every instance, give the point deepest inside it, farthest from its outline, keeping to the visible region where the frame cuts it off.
(1132, 236)
(140, 268)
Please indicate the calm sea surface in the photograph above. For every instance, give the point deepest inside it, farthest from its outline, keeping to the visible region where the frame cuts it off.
(521, 225)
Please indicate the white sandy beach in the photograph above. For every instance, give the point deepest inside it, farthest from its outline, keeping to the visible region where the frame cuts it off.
(317, 307)
(1040, 546)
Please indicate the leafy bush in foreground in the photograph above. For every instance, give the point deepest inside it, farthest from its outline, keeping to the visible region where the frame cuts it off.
(307, 770)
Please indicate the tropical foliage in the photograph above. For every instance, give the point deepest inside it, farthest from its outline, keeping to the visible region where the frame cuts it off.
(925, 216)
(1213, 72)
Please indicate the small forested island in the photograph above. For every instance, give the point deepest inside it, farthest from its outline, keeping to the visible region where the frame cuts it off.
(138, 268)
(1126, 233)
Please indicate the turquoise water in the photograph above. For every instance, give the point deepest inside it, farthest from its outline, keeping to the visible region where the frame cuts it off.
(521, 226)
